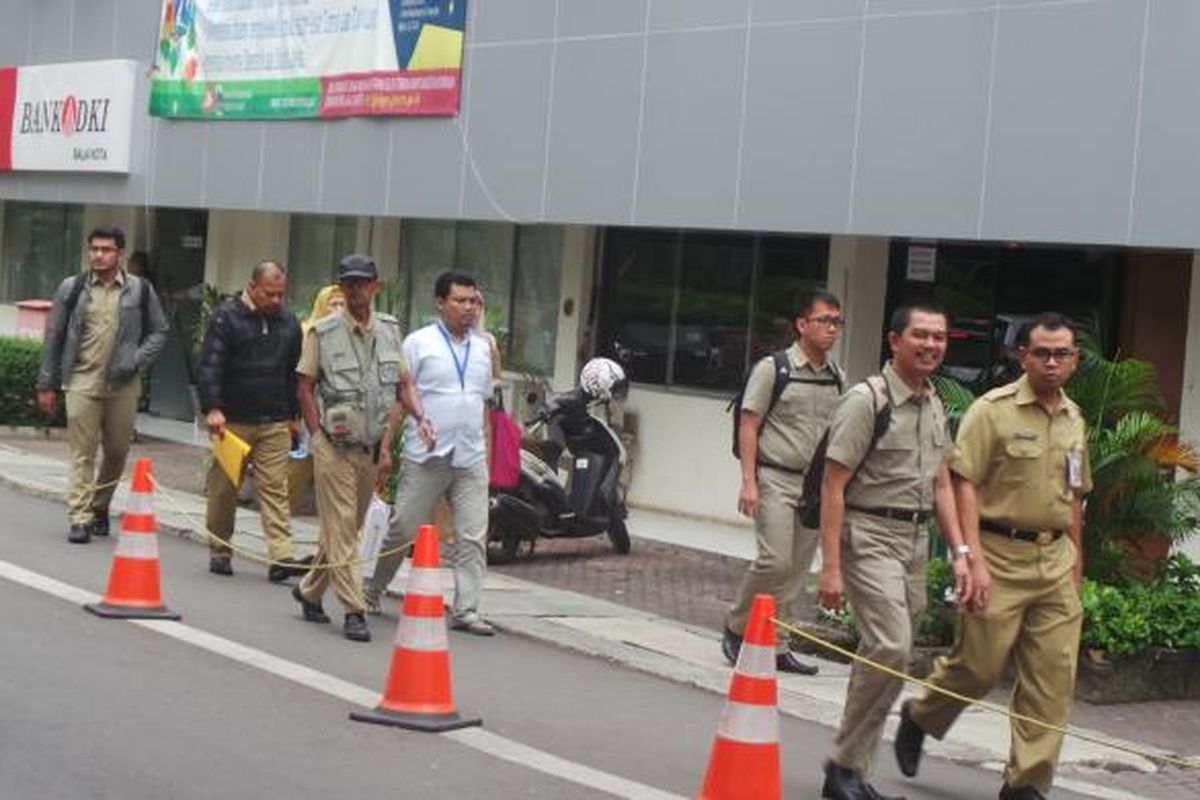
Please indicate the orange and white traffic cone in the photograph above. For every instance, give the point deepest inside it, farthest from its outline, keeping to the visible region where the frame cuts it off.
(133, 590)
(744, 764)
(417, 694)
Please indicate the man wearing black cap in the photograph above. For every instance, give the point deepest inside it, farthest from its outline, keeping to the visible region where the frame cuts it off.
(351, 371)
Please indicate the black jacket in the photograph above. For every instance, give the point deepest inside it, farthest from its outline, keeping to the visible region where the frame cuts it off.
(247, 364)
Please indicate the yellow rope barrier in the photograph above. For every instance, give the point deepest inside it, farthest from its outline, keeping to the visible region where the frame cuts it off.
(984, 704)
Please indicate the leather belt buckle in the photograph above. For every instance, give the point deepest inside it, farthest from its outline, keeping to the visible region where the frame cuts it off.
(915, 518)
(1045, 537)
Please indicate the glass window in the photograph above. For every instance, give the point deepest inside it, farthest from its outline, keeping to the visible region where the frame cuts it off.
(43, 243)
(315, 245)
(535, 299)
(486, 251)
(427, 250)
(688, 308)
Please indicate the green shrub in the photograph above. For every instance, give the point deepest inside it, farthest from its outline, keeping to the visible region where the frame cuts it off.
(1134, 617)
(19, 362)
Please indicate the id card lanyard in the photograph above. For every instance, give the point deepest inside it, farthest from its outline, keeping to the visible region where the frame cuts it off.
(459, 366)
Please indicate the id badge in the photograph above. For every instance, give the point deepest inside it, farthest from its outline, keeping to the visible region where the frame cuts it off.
(1075, 469)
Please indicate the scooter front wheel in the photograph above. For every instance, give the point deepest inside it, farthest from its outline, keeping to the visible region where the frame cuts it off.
(618, 534)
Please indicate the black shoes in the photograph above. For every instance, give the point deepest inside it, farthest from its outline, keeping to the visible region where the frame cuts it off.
(313, 611)
(354, 627)
(80, 534)
(100, 523)
(731, 645)
(288, 568)
(843, 783)
(909, 740)
(220, 565)
(1020, 793)
(787, 662)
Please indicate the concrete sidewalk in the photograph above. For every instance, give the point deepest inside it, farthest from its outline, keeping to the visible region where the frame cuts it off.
(655, 644)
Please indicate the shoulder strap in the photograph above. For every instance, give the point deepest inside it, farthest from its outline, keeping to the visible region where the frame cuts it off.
(144, 306)
(783, 371)
(839, 376)
(72, 300)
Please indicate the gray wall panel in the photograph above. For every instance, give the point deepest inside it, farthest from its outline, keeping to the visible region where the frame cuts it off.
(591, 18)
(675, 14)
(1168, 184)
(354, 172)
(511, 20)
(690, 129)
(137, 29)
(49, 33)
(506, 132)
(884, 8)
(94, 28)
(1062, 122)
(594, 126)
(799, 133)
(426, 165)
(772, 11)
(924, 106)
(14, 33)
(291, 166)
(178, 164)
(234, 153)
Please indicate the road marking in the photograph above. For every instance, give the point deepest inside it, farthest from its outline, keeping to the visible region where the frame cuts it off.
(477, 739)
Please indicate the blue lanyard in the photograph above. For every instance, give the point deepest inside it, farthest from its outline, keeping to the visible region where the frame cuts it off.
(459, 366)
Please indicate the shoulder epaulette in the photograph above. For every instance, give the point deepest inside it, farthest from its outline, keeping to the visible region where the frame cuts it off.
(1000, 392)
(326, 324)
(388, 318)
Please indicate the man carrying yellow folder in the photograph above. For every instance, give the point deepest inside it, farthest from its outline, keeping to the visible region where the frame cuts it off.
(246, 381)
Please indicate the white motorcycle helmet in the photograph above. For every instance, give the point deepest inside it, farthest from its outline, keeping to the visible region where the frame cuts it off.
(602, 378)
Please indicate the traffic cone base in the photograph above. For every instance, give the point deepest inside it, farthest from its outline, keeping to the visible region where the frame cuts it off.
(133, 582)
(129, 612)
(417, 694)
(430, 723)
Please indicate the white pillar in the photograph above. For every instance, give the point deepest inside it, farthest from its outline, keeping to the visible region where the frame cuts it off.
(858, 273)
(237, 240)
(575, 293)
(1189, 401)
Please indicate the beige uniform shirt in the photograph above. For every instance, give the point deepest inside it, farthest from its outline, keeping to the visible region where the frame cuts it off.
(98, 336)
(899, 472)
(1028, 465)
(791, 430)
(363, 339)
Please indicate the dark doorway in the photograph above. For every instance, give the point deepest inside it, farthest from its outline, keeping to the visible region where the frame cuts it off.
(177, 257)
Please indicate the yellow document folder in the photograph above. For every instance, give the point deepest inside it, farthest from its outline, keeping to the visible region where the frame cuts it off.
(230, 451)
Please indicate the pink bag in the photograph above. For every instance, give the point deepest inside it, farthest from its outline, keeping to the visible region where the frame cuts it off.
(505, 466)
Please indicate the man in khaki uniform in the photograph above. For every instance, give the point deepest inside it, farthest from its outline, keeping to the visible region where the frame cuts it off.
(1020, 472)
(106, 326)
(877, 496)
(351, 371)
(775, 443)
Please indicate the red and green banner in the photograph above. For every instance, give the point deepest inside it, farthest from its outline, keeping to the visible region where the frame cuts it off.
(285, 59)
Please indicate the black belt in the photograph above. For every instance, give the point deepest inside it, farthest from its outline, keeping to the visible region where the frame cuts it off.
(1001, 529)
(915, 516)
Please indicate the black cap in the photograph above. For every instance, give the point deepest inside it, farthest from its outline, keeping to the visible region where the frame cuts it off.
(357, 265)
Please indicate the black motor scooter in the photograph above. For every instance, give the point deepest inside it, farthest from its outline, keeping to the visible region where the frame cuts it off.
(589, 503)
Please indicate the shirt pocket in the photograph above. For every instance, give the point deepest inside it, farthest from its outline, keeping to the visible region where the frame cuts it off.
(1021, 461)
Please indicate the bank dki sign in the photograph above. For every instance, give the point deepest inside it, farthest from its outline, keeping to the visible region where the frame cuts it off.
(73, 117)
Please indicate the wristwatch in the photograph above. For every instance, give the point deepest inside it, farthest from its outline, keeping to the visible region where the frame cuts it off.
(962, 551)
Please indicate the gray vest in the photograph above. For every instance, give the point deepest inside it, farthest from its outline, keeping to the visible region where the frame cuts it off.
(358, 380)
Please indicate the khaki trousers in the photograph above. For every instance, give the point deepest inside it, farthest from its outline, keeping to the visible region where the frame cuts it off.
(1034, 615)
(785, 552)
(466, 488)
(345, 480)
(98, 421)
(270, 444)
(883, 574)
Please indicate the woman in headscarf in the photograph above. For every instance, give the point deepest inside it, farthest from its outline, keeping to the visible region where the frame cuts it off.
(329, 300)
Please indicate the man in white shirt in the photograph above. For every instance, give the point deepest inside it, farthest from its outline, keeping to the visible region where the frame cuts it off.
(451, 367)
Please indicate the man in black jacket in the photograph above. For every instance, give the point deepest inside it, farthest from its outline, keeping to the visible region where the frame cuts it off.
(246, 379)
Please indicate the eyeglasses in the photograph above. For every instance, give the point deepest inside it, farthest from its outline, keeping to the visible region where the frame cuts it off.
(828, 320)
(102, 248)
(1044, 354)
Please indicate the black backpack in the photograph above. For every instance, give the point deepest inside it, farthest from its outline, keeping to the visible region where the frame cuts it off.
(810, 501)
(783, 376)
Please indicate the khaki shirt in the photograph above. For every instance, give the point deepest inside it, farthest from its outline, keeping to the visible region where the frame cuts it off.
(791, 430)
(97, 335)
(899, 472)
(1018, 456)
(363, 338)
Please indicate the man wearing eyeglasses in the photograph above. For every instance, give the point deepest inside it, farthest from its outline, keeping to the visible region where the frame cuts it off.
(1020, 472)
(776, 439)
(106, 326)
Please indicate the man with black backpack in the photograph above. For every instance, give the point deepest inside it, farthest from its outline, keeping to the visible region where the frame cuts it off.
(105, 327)
(780, 415)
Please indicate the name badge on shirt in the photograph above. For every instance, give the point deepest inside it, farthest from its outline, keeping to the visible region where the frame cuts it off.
(1075, 468)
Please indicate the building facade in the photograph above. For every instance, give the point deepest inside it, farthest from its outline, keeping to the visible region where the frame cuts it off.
(654, 180)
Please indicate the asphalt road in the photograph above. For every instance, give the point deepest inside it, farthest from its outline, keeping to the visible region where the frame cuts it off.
(93, 708)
